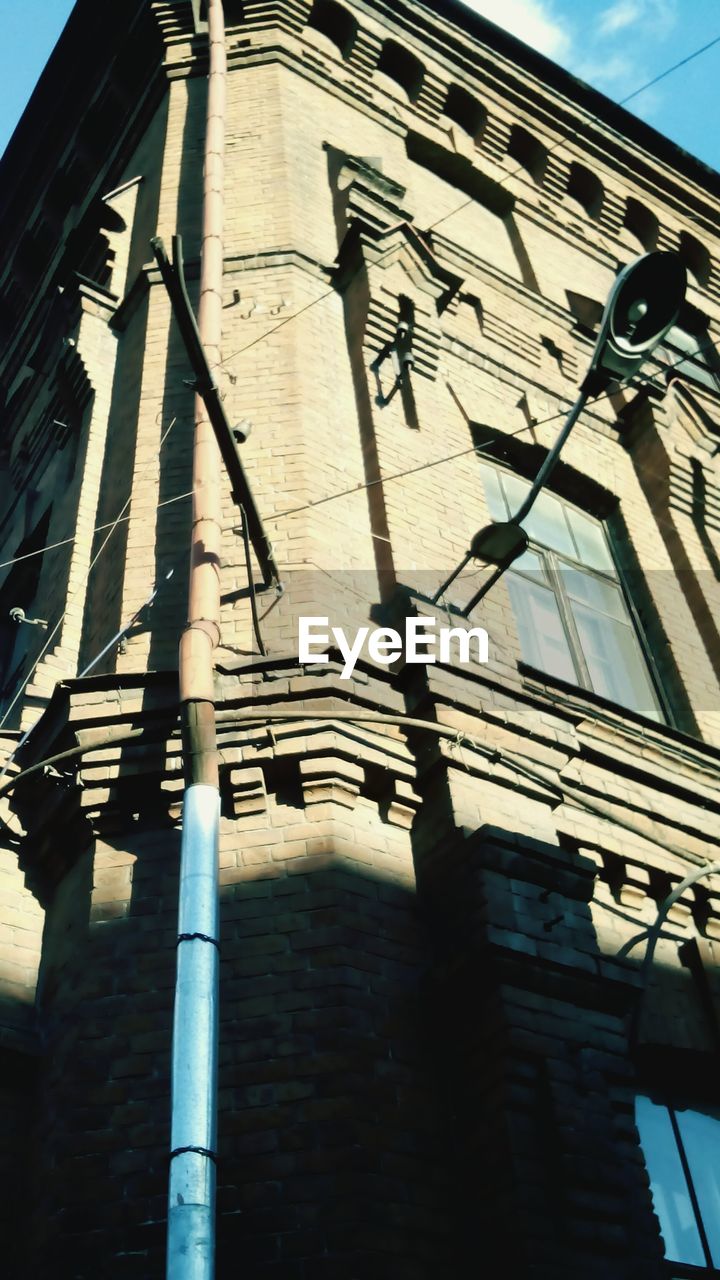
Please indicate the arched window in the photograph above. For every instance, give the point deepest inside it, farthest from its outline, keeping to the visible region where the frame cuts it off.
(696, 257)
(573, 618)
(586, 188)
(465, 110)
(641, 223)
(402, 67)
(335, 23)
(528, 151)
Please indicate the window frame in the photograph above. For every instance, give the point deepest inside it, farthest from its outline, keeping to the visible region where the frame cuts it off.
(550, 559)
(677, 1270)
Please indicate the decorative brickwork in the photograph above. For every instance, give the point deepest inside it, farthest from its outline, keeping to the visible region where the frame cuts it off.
(437, 881)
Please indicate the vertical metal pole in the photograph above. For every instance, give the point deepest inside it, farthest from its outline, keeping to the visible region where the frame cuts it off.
(191, 1210)
(191, 1207)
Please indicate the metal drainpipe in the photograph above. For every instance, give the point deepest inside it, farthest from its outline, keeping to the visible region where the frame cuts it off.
(191, 1201)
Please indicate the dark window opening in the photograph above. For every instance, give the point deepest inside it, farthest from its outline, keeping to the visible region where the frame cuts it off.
(465, 110)
(641, 223)
(586, 188)
(333, 21)
(403, 67)
(696, 257)
(18, 592)
(528, 152)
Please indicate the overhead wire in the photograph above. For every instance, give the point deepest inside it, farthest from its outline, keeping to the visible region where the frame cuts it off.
(268, 333)
(81, 587)
(423, 466)
(564, 791)
(99, 528)
(451, 457)
(682, 62)
(559, 142)
(343, 493)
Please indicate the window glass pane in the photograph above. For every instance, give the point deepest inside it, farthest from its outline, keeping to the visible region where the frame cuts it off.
(700, 1132)
(596, 593)
(542, 636)
(516, 490)
(667, 1183)
(546, 522)
(590, 540)
(602, 650)
(493, 493)
(547, 525)
(616, 665)
(530, 562)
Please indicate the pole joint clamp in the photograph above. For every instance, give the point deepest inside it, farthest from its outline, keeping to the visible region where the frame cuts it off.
(201, 937)
(198, 1151)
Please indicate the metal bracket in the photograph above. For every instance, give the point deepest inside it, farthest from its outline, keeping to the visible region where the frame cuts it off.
(399, 348)
(173, 277)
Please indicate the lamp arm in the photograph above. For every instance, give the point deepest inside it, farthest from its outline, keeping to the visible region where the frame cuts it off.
(548, 465)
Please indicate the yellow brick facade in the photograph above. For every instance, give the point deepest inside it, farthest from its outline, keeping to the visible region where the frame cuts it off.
(377, 878)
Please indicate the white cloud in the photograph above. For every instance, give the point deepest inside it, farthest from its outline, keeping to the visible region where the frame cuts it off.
(618, 16)
(530, 20)
(616, 70)
(658, 17)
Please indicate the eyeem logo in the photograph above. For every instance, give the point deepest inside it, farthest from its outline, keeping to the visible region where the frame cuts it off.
(421, 643)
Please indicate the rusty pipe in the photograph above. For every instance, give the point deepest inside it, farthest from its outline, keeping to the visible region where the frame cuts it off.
(193, 1139)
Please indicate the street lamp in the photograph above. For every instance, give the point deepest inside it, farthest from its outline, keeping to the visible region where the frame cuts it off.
(642, 305)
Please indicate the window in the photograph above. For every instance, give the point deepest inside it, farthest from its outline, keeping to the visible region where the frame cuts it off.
(641, 223)
(573, 619)
(465, 111)
(18, 592)
(335, 23)
(682, 1155)
(402, 68)
(696, 257)
(531, 153)
(586, 188)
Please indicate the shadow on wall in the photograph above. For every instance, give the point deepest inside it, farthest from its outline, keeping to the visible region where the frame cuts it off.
(331, 1144)
(107, 582)
(174, 521)
(399, 1078)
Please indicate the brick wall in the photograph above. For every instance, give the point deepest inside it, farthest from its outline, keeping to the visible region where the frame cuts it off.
(430, 1045)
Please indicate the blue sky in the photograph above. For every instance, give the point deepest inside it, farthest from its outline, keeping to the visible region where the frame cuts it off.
(619, 45)
(616, 45)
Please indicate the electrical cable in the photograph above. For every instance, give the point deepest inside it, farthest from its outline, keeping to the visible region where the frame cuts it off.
(683, 62)
(82, 586)
(267, 334)
(560, 141)
(180, 497)
(506, 565)
(451, 457)
(111, 644)
(423, 466)
(563, 790)
(507, 177)
(99, 528)
(121, 518)
(653, 934)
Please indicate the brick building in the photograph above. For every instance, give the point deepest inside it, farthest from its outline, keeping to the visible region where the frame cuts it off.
(439, 1044)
